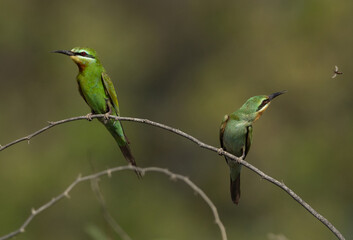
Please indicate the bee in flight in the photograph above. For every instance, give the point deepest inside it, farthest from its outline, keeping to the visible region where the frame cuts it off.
(336, 72)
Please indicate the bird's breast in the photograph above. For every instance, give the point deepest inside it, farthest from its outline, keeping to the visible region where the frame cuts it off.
(93, 92)
(234, 138)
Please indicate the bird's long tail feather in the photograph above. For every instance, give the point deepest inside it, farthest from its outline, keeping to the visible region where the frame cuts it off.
(116, 130)
(235, 189)
(129, 157)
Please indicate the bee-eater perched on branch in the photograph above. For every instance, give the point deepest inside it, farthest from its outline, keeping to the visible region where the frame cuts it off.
(236, 135)
(98, 91)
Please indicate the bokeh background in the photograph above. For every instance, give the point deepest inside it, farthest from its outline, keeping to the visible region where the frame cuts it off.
(185, 64)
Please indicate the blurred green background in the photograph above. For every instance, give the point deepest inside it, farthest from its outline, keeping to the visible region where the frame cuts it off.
(185, 64)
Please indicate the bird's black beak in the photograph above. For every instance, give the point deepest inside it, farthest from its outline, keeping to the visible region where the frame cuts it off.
(276, 94)
(68, 53)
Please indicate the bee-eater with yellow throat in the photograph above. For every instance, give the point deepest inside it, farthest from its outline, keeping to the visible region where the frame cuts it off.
(98, 91)
(236, 135)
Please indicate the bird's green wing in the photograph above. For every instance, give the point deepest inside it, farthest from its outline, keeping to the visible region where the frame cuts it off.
(221, 132)
(248, 139)
(110, 91)
(222, 128)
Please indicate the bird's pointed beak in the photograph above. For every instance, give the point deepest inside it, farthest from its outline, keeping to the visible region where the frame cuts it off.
(276, 94)
(68, 53)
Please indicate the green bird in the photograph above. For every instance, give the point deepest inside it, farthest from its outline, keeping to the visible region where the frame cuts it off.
(236, 135)
(98, 91)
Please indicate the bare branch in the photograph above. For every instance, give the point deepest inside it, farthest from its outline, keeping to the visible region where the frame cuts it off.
(118, 169)
(203, 145)
(51, 124)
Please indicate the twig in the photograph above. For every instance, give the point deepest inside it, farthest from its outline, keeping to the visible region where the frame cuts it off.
(108, 218)
(108, 172)
(203, 145)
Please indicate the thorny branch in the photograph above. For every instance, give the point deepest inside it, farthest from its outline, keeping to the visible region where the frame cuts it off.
(202, 145)
(108, 172)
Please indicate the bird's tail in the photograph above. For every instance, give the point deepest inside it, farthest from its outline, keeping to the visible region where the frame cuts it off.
(235, 189)
(116, 130)
(129, 157)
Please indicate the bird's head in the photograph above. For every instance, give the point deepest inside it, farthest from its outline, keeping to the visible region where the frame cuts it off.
(256, 106)
(83, 57)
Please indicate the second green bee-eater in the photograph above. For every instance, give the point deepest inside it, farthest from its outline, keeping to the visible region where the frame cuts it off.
(236, 135)
(98, 91)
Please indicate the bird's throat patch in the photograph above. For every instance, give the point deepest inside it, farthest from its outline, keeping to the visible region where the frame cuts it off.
(79, 62)
(261, 111)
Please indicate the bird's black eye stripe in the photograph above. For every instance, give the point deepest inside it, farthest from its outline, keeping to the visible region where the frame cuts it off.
(83, 54)
(264, 102)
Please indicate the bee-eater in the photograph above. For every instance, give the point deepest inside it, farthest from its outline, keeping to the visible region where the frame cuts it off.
(236, 135)
(98, 91)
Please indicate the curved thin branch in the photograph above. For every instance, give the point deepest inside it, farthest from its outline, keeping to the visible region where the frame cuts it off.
(108, 172)
(220, 151)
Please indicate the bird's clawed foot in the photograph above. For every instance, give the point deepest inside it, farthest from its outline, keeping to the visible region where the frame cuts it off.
(243, 155)
(220, 151)
(106, 116)
(89, 116)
